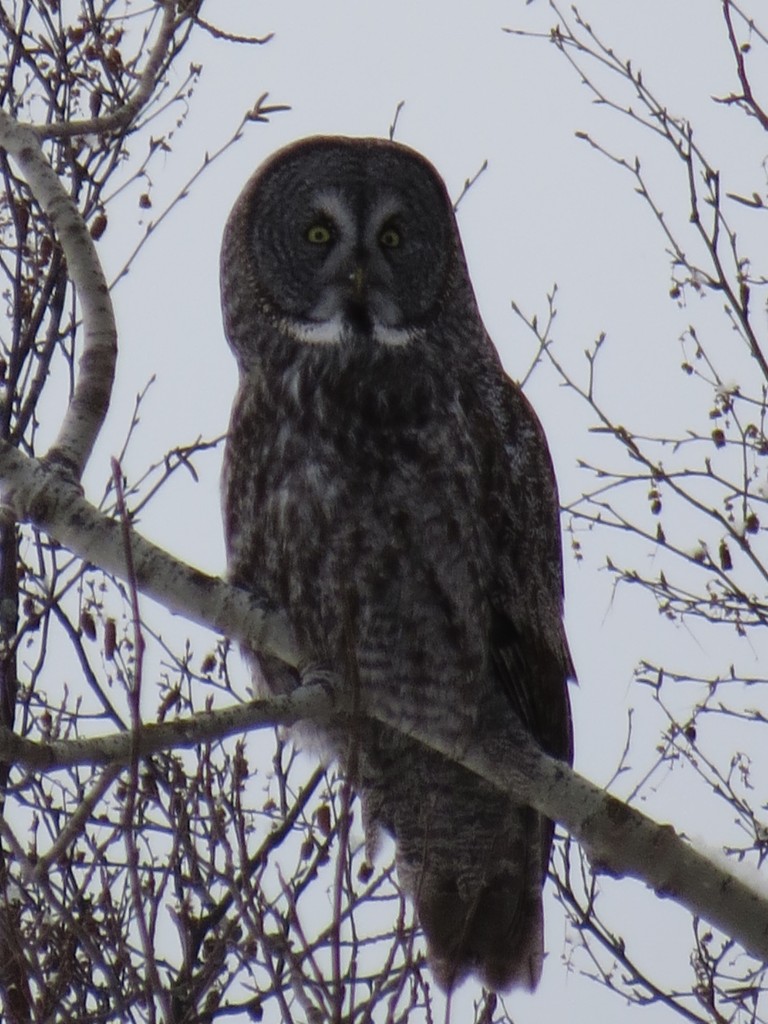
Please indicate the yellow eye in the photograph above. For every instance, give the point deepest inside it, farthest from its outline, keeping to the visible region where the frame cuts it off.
(319, 234)
(389, 238)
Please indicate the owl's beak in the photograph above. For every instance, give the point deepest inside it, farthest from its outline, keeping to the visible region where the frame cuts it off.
(357, 277)
(356, 312)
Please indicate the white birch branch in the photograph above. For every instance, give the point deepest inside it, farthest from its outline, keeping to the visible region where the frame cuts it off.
(315, 701)
(620, 840)
(33, 492)
(90, 400)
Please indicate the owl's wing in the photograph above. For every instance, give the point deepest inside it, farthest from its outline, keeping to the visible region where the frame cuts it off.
(534, 679)
(528, 641)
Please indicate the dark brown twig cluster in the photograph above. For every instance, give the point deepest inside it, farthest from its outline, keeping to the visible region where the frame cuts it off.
(694, 500)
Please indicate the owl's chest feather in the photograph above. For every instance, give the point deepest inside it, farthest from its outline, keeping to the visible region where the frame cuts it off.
(353, 482)
(320, 441)
(369, 497)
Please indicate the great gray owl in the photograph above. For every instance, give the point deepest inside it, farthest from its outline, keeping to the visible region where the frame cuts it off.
(389, 487)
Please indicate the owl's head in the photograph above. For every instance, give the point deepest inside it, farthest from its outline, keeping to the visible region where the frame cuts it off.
(340, 240)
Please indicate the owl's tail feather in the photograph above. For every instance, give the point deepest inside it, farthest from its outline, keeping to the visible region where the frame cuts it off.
(473, 862)
(498, 935)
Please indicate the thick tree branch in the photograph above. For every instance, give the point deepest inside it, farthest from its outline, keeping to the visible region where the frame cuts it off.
(33, 492)
(316, 701)
(621, 841)
(619, 838)
(90, 400)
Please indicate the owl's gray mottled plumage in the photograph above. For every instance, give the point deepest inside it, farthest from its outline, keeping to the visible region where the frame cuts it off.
(389, 487)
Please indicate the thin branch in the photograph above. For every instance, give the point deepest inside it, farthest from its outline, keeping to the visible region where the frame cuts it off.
(621, 841)
(747, 97)
(468, 183)
(76, 823)
(153, 984)
(121, 118)
(54, 504)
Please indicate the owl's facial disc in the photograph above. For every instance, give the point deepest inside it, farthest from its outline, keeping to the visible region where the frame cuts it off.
(356, 274)
(355, 298)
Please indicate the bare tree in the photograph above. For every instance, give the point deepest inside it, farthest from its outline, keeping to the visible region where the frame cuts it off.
(189, 865)
(694, 500)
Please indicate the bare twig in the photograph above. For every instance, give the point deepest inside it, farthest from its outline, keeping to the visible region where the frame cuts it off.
(56, 506)
(747, 97)
(620, 839)
(122, 117)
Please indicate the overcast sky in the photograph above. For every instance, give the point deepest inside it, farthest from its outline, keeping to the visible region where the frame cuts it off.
(548, 209)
